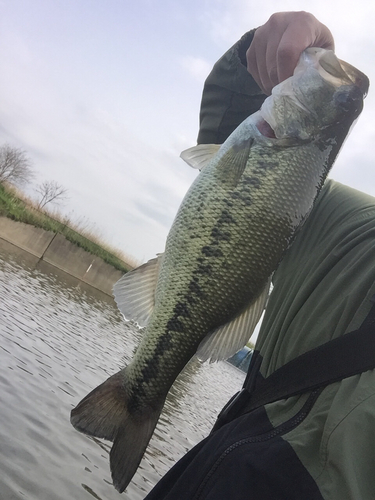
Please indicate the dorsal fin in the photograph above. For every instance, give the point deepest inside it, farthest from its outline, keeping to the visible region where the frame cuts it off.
(199, 156)
(135, 292)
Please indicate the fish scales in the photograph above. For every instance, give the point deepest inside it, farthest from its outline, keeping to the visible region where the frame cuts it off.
(256, 227)
(208, 290)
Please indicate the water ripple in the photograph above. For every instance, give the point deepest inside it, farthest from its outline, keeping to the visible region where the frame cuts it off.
(58, 340)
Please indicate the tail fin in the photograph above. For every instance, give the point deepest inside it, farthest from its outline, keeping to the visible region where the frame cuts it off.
(104, 414)
(128, 449)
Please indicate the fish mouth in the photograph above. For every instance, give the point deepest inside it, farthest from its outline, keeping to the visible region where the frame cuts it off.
(336, 71)
(348, 84)
(359, 79)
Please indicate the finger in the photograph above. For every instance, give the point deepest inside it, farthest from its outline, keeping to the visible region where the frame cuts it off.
(261, 57)
(262, 54)
(255, 57)
(278, 44)
(271, 33)
(271, 79)
(304, 31)
(288, 54)
(324, 39)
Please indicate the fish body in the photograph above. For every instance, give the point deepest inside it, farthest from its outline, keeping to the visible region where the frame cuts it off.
(206, 293)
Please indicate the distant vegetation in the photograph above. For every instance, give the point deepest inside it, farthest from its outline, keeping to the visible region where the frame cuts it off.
(50, 192)
(15, 166)
(17, 207)
(16, 171)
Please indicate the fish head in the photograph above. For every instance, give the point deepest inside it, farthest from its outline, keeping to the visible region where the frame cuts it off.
(320, 102)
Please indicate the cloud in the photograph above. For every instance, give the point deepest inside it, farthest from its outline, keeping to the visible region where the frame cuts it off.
(108, 115)
(349, 23)
(114, 177)
(196, 67)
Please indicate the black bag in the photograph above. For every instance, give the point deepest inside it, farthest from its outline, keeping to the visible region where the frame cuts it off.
(245, 457)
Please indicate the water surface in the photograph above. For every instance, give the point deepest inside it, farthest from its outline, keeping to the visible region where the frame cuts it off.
(59, 339)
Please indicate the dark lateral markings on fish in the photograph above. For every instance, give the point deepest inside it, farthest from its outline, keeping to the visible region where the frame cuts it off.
(206, 293)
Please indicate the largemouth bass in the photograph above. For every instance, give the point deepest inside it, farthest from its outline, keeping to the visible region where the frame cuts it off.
(206, 293)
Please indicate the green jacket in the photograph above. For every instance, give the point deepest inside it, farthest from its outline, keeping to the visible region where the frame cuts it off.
(318, 445)
(321, 291)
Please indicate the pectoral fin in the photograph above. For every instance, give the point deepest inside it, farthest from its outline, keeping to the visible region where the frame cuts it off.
(135, 292)
(231, 337)
(232, 164)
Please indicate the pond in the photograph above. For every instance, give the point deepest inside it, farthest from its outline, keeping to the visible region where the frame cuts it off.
(59, 339)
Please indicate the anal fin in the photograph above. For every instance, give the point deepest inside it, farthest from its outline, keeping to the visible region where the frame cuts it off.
(226, 340)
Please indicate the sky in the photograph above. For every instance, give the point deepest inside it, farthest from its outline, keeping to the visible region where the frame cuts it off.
(104, 95)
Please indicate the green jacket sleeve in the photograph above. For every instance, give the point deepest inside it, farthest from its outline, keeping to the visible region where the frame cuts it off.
(230, 95)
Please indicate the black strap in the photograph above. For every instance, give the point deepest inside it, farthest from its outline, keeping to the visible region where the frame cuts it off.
(335, 360)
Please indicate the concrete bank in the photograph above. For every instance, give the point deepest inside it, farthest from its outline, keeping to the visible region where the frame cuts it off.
(61, 253)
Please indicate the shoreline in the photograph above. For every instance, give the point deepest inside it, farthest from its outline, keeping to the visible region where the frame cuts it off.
(56, 250)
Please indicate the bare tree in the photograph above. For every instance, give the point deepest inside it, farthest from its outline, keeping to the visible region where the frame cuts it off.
(15, 166)
(50, 192)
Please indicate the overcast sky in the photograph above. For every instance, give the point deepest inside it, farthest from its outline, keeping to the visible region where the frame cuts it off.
(104, 95)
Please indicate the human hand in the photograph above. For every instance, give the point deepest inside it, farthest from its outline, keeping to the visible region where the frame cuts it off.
(277, 45)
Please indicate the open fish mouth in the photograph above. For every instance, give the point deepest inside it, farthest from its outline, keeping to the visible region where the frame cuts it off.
(333, 70)
(292, 103)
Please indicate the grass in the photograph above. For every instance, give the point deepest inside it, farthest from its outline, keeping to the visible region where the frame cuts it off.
(15, 205)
